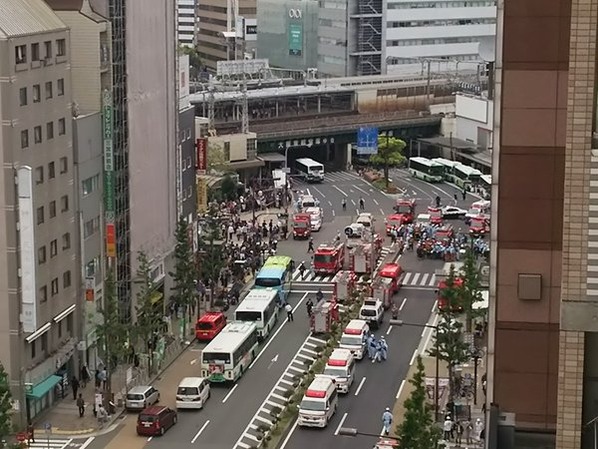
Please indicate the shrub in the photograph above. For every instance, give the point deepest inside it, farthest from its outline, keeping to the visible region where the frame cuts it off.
(287, 393)
(275, 411)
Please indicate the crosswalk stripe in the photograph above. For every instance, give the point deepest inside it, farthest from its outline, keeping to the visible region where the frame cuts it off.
(415, 278)
(424, 279)
(433, 280)
(52, 443)
(406, 278)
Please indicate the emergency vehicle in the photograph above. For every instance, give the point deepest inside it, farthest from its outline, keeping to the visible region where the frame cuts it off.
(386, 443)
(319, 403)
(405, 209)
(479, 226)
(354, 337)
(372, 311)
(363, 257)
(394, 272)
(328, 258)
(316, 217)
(435, 214)
(301, 226)
(341, 368)
(393, 221)
(344, 285)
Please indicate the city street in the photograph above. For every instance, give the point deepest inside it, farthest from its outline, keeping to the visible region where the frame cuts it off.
(231, 410)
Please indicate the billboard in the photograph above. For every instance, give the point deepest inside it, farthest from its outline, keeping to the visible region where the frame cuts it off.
(109, 209)
(201, 145)
(295, 39)
(367, 140)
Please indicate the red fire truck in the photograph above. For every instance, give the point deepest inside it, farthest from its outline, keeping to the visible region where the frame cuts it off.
(328, 258)
(301, 226)
(405, 208)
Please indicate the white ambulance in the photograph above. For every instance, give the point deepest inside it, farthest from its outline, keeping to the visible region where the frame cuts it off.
(318, 404)
(354, 337)
(341, 368)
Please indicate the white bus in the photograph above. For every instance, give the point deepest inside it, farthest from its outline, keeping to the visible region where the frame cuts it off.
(230, 353)
(486, 182)
(449, 167)
(310, 170)
(261, 307)
(465, 176)
(425, 169)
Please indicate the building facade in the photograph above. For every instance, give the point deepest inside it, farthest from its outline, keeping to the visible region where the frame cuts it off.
(38, 244)
(187, 164)
(186, 22)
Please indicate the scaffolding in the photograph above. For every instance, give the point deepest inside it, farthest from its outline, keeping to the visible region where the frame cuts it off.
(369, 37)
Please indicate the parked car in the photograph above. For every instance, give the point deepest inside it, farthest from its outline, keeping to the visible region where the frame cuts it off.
(141, 397)
(156, 420)
(453, 212)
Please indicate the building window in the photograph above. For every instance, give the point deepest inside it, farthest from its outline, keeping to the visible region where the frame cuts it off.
(69, 324)
(25, 138)
(40, 215)
(91, 227)
(89, 185)
(23, 96)
(227, 151)
(49, 93)
(64, 203)
(37, 134)
(43, 294)
(39, 175)
(66, 279)
(54, 248)
(64, 165)
(32, 344)
(54, 286)
(21, 54)
(50, 130)
(51, 170)
(41, 255)
(52, 208)
(90, 268)
(66, 241)
(48, 47)
(36, 93)
(44, 342)
(35, 52)
(60, 87)
(61, 127)
(60, 47)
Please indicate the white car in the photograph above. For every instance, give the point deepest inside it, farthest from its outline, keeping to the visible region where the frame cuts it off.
(450, 212)
(355, 230)
(365, 219)
(316, 217)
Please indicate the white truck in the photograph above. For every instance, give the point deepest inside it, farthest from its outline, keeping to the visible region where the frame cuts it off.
(372, 311)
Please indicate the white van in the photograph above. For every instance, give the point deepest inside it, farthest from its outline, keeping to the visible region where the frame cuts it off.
(354, 337)
(341, 368)
(372, 311)
(318, 404)
(193, 392)
(477, 209)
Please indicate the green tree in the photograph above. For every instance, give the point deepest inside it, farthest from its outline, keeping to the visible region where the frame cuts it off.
(469, 291)
(184, 275)
(418, 431)
(194, 60)
(390, 152)
(111, 331)
(211, 257)
(217, 162)
(149, 314)
(450, 294)
(228, 188)
(5, 406)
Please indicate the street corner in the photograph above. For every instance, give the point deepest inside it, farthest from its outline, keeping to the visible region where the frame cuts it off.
(72, 433)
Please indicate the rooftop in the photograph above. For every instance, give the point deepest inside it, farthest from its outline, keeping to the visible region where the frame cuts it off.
(26, 17)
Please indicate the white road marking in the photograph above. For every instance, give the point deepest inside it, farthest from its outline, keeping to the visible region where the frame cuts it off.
(200, 431)
(406, 278)
(424, 279)
(415, 278)
(276, 333)
(360, 386)
(333, 213)
(230, 393)
(149, 439)
(389, 329)
(431, 329)
(376, 201)
(330, 202)
(356, 211)
(193, 362)
(340, 424)
(400, 389)
(402, 304)
(413, 357)
(361, 190)
(340, 191)
(288, 438)
(381, 211)
(87, 442)
(318, 190)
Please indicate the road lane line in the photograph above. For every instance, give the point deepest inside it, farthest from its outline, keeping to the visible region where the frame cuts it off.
(376, 201)
(381, 211)
(288, 438)
(330, 202)
(276, 333)
(413, 357)
(333, 213)
(340, 191)
(400, 389)
(360, 386)
(87, 442)
(230, 393)
(431, 328)
(389, 329)
(402, 304)
(321, 194)
(200, 431)
(361, 190)
(340, 424)
(149, 439)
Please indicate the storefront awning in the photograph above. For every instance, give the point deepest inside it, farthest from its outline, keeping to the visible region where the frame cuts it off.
(271, 157)
(43, 387)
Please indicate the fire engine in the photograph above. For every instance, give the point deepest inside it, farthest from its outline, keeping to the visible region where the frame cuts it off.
(344, 285)
(363, 257)
(301, 226)
(328, 258)
(405, 208)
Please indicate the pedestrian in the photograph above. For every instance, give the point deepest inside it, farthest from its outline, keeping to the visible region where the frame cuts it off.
(460, 431)
(382, 349)
(361, 203)
(372, 347)
(84, 376)
(302, 269)
(464, 194)
(102, 415)
(344, 204)
(74, 387)
(447, 427)
(289, 310)
(81, 405)
(455, 197)
(309, 305)
(310, 245)
(437, 201)
(479, 428)
(103, 377)
(467, 428)
(387, 420)
(30, 433)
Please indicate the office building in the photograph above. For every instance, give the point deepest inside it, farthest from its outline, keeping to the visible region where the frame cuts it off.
(186, 22)
(38, 226)
(187, 193)
(544, 289)
(227, 30)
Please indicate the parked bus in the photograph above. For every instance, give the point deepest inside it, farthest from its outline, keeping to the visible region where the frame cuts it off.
(425, 169)
(486, 182)
(310, 170)
(449, 167)
(261, 307)
(465, 176)
(276, 277)
(229, 355)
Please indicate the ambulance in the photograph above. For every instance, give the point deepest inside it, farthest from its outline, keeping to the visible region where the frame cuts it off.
(354, 336)
(319, 403)
(341, 368)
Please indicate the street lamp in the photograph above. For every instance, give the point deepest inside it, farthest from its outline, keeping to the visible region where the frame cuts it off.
(353, 432)
(436, 379)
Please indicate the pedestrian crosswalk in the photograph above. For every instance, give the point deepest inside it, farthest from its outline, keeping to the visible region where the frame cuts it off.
(310, 277)
(422, 280)
(410, 279)
(41, 442)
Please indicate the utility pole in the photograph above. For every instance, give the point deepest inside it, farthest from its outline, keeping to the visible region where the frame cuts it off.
(244, 108)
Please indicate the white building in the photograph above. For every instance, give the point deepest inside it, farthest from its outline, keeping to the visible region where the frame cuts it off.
(475, 120)
(186, 22)
(437, 30)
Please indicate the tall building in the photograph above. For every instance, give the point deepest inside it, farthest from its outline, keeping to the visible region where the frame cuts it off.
(543, 341)
(187, 192)
(186, 22)
(38, 223)
(227, 30)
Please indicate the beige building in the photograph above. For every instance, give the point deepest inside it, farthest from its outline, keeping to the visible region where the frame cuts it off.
(38, 227)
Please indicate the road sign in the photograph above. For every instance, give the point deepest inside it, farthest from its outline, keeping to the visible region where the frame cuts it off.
(367, 140)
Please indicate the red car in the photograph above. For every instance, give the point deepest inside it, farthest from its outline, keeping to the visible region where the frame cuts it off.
(479, 226)
(209, 325)
(155, 420)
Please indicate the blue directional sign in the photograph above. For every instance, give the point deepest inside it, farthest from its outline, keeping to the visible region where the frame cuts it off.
(367, 140)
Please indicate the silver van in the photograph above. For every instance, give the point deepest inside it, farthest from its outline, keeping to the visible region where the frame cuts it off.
(141, 397)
